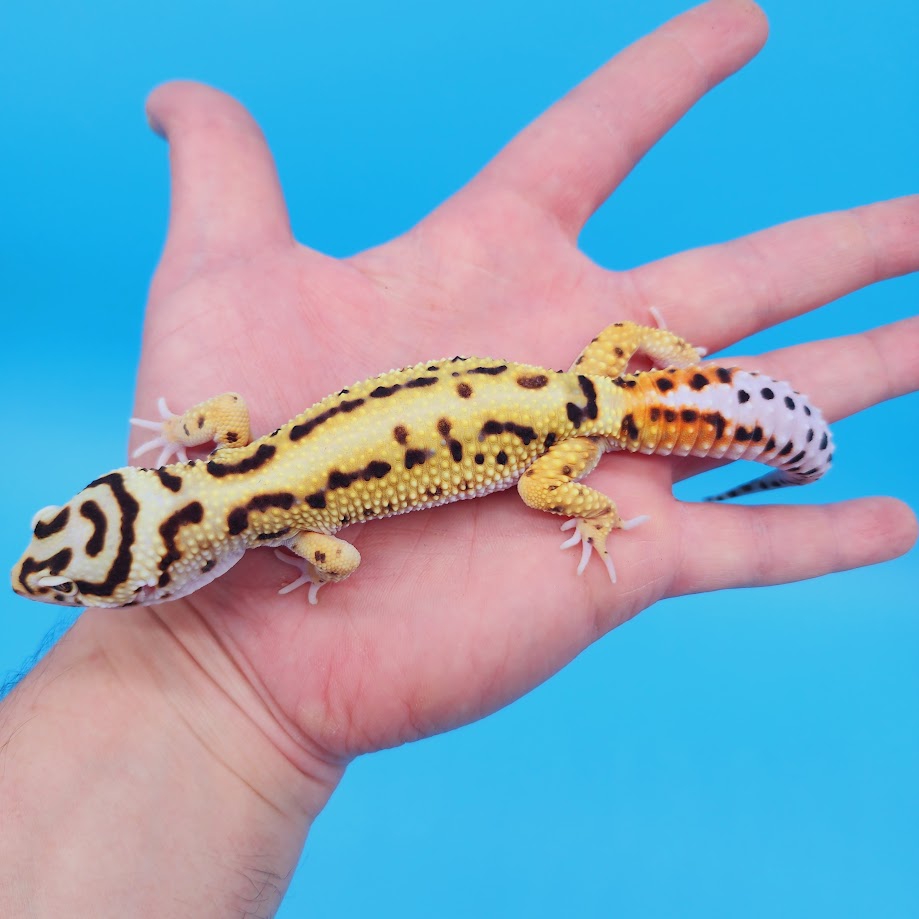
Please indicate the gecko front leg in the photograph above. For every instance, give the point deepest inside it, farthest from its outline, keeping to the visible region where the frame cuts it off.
(319, 558)
(223, 420)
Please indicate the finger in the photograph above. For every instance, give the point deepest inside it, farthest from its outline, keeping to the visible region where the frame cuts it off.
(226, 197)
(569, 160)
(842, 375)
(719, 294)
(734, 546)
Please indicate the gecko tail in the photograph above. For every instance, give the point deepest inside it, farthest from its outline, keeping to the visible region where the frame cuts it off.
(777, 478)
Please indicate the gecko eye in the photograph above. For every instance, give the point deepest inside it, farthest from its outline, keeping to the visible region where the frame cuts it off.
(57, 582)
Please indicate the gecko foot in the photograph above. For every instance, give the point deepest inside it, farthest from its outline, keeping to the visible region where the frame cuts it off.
(168, 447)
(306, 576)
(591, 535)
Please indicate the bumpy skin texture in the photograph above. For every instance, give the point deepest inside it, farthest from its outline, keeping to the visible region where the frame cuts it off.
(410, 439)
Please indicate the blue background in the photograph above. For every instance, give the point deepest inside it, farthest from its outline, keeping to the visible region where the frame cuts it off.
(751, 753)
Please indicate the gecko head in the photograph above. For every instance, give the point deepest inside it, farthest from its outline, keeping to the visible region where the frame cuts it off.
(80, 553)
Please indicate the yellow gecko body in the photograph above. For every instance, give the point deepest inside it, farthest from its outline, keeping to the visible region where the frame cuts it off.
(410, 439)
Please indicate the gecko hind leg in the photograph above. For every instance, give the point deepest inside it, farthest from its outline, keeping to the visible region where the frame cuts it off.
(610, 352)
(549, 484)
(223, 420)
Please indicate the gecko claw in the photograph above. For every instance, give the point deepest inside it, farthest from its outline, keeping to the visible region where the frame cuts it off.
(303, 566)
(167, 447)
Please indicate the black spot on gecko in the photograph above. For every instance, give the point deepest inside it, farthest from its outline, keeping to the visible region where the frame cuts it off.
(698, 381)
(537, 381)
(770, 444)
(716, 420)
(790, 403)
(663, 384)
(479, 459)
(414, 458)
(456, 451)
(208, 565)
(501, 458)
(277, 534)
(551, 437)
(524, 432)
(200, 421)
(810, 435)
(299, 431)
(170, 481)
(420, 382)
(689, 415)
(339, 479)
(824, 441)
(400, 432)
(807, 410)
(165, 578)
(262, 455)
(724, 374)
(787, 448)
(443, 427)
(797, 457)
(767, 393)
(630, 428)
(282, 499)
(464, 390)
(433, 367)
(190, 514)
(618, 352)
(316, 500)
(743, 396)
(237, 521)
(383, 392)
(93, 513)
(44, 530)
(654, 414)
(590, 393)
(375, 469)
(490, 371)
(669, 415)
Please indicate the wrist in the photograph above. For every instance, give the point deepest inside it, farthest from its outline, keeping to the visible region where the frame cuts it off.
(137, 750)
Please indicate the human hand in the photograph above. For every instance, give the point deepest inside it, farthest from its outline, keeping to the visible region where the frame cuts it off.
(455, 612)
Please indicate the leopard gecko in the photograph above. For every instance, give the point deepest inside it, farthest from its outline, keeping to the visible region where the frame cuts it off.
(441, 431)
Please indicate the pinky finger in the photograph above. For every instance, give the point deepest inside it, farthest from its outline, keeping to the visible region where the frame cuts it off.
(733, 546)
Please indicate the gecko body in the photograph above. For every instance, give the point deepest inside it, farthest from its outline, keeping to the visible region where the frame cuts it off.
(437, 432)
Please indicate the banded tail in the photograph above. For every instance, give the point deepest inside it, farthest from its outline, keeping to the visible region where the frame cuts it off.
(720, 412)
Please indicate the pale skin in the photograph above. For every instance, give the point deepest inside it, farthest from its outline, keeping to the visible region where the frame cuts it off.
(197, 740)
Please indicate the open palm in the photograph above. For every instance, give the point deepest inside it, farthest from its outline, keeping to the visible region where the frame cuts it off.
(455, 612)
